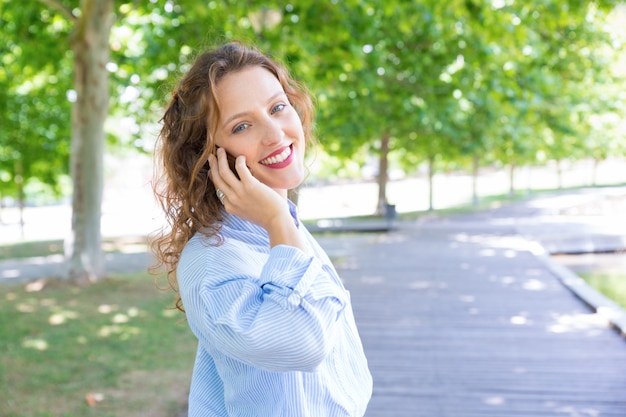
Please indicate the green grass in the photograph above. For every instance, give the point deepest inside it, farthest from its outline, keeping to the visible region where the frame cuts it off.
(54, 247)
(612, 286)
(116, 341)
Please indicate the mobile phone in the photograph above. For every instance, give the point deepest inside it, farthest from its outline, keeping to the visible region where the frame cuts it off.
(231, 164)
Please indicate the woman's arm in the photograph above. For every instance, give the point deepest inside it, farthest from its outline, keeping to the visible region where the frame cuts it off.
(284, 320)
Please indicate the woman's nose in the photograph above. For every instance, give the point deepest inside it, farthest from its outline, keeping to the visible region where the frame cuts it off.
(272, 132)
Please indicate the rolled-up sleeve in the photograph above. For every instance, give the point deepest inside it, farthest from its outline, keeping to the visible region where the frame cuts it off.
(276, 311)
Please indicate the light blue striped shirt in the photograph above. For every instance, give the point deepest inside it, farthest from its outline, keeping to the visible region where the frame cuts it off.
(275, 327)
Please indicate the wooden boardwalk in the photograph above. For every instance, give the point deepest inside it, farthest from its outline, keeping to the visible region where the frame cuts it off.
(459, 319)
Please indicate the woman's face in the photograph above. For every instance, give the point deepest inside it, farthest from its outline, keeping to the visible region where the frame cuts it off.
(257, 121)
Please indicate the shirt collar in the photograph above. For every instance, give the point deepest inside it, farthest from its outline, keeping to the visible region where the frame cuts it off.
(231, 220)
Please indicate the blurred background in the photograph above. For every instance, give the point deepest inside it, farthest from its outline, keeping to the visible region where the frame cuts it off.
(421, 105)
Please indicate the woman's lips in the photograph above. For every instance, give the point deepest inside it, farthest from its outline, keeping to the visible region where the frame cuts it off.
(279, 159)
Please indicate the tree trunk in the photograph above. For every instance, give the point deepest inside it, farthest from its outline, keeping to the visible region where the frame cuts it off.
(475, 162)
(19, 183)
(511, 180)
(90, 44)
(383, 176)
(431, 176)
(559, 174)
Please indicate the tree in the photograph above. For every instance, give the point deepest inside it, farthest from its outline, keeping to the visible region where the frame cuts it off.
(89, 42)
(426, 81)
(33, 104)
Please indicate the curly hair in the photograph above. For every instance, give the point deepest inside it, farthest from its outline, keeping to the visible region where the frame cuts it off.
(182, 185)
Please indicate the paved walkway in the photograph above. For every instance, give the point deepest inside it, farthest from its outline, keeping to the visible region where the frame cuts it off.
(467, 316)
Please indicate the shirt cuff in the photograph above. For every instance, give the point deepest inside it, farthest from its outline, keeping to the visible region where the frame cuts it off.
(292, 276)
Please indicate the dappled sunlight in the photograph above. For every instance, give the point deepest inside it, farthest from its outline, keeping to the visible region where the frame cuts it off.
(62, 316)
(511, 243)
(461, 237)
(507, 280)
(106, 308)
(520, 319)
(124, 332)
(120, 318)
(170, 312)
(591, 323)
(32, 304)
(119, 325)
(571, 411)
(466, 298)
(372, 280)
(420, 285)
(426, 285)
(35, 286)
(70, 344)
(534, 285)
(26, 308)
(35, 343)
(494, 400)
(487, 252)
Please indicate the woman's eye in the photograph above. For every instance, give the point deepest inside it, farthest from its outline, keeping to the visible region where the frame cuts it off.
(278, 107)
(240, 127)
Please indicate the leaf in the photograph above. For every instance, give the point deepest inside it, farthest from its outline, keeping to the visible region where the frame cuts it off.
(93, 398)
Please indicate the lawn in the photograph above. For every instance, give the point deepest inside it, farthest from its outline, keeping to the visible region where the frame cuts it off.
(55, 247)
(111, 349)
(612, 286)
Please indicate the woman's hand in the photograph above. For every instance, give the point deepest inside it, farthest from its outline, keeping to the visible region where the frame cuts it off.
(254, 201)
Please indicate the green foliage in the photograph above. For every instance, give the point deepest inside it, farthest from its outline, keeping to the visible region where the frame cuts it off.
(500, 80)
(34, 114)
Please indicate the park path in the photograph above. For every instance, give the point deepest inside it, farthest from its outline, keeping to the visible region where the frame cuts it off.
(466, 317)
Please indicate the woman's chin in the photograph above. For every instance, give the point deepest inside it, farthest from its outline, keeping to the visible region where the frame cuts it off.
(287, 183)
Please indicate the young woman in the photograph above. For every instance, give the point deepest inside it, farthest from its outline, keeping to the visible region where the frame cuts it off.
(276, 333)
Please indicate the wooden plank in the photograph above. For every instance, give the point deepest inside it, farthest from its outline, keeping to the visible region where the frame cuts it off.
(468, 322)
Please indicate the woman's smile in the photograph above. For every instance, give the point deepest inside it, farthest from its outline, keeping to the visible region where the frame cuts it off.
(279, 159)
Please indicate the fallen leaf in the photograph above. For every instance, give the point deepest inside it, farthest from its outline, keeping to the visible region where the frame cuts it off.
(93, 398)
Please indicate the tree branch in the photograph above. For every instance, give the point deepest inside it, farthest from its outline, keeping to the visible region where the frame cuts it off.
(65, 11)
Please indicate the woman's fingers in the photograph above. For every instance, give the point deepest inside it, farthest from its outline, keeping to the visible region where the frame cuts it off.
(247, 198)
(216, 175)
(231, 190)
(224, 168)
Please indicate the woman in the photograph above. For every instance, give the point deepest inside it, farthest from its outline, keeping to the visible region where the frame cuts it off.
(276, 333)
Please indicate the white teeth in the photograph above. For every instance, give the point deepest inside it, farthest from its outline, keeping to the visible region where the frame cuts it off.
(277, 159)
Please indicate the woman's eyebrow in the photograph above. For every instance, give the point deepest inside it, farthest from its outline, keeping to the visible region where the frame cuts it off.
(238, 115)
